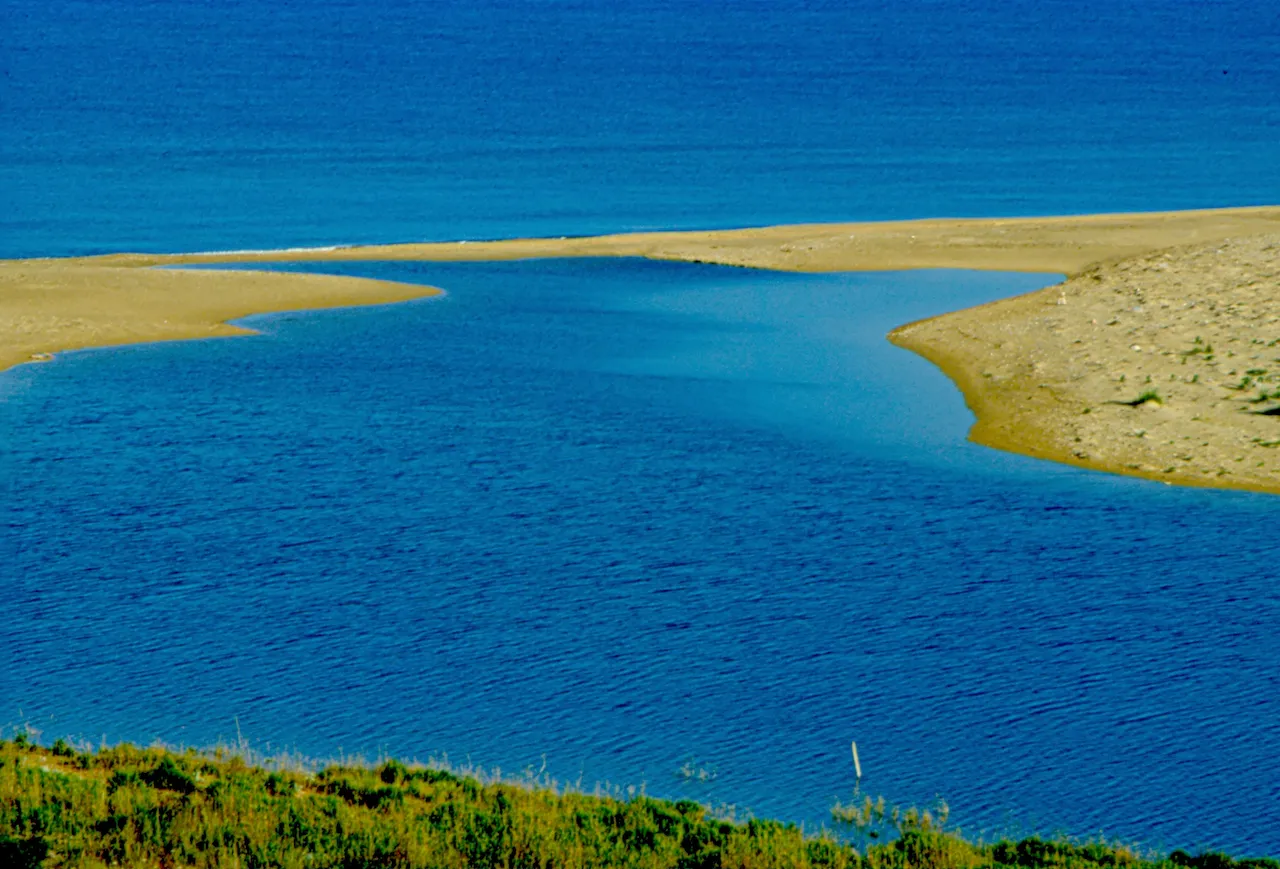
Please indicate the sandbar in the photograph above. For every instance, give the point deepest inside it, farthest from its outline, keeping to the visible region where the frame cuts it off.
(1159, 356)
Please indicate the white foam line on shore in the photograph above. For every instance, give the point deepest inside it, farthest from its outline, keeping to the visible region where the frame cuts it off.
(268, 250)
(336, 247)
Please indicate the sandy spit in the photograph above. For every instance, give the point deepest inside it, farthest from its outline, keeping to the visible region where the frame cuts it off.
(47, 306)
(1165, 366)
(1179, 307)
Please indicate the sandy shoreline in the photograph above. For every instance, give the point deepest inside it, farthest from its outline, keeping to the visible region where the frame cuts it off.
(1051, 374)
(48, 306)
(1034, 244)
(1165, 366)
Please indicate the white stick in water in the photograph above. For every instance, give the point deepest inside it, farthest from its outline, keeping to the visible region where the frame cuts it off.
(857, 767)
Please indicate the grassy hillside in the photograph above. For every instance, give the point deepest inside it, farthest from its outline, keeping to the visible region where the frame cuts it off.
(152, 807)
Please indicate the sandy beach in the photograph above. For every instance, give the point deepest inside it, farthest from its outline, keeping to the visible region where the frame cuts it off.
(1165, 366)
(1177, 309)
(47, 306)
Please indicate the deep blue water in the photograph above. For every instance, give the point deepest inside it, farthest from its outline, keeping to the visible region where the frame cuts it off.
(128, 124)
(624, 514)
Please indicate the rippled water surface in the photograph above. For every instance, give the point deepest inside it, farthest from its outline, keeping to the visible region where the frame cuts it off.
(626, 515)
(169, 125)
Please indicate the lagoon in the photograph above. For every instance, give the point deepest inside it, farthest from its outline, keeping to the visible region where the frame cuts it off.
(624, 518)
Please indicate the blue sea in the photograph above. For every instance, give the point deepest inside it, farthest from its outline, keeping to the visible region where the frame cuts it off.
(614, 520)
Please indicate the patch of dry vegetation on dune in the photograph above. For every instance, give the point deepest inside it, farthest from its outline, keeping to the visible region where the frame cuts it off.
(124, 806)
(1165, 365)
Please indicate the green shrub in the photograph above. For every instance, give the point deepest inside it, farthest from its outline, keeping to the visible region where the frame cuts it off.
(22, 853)
(167, 776)
(127, 806)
